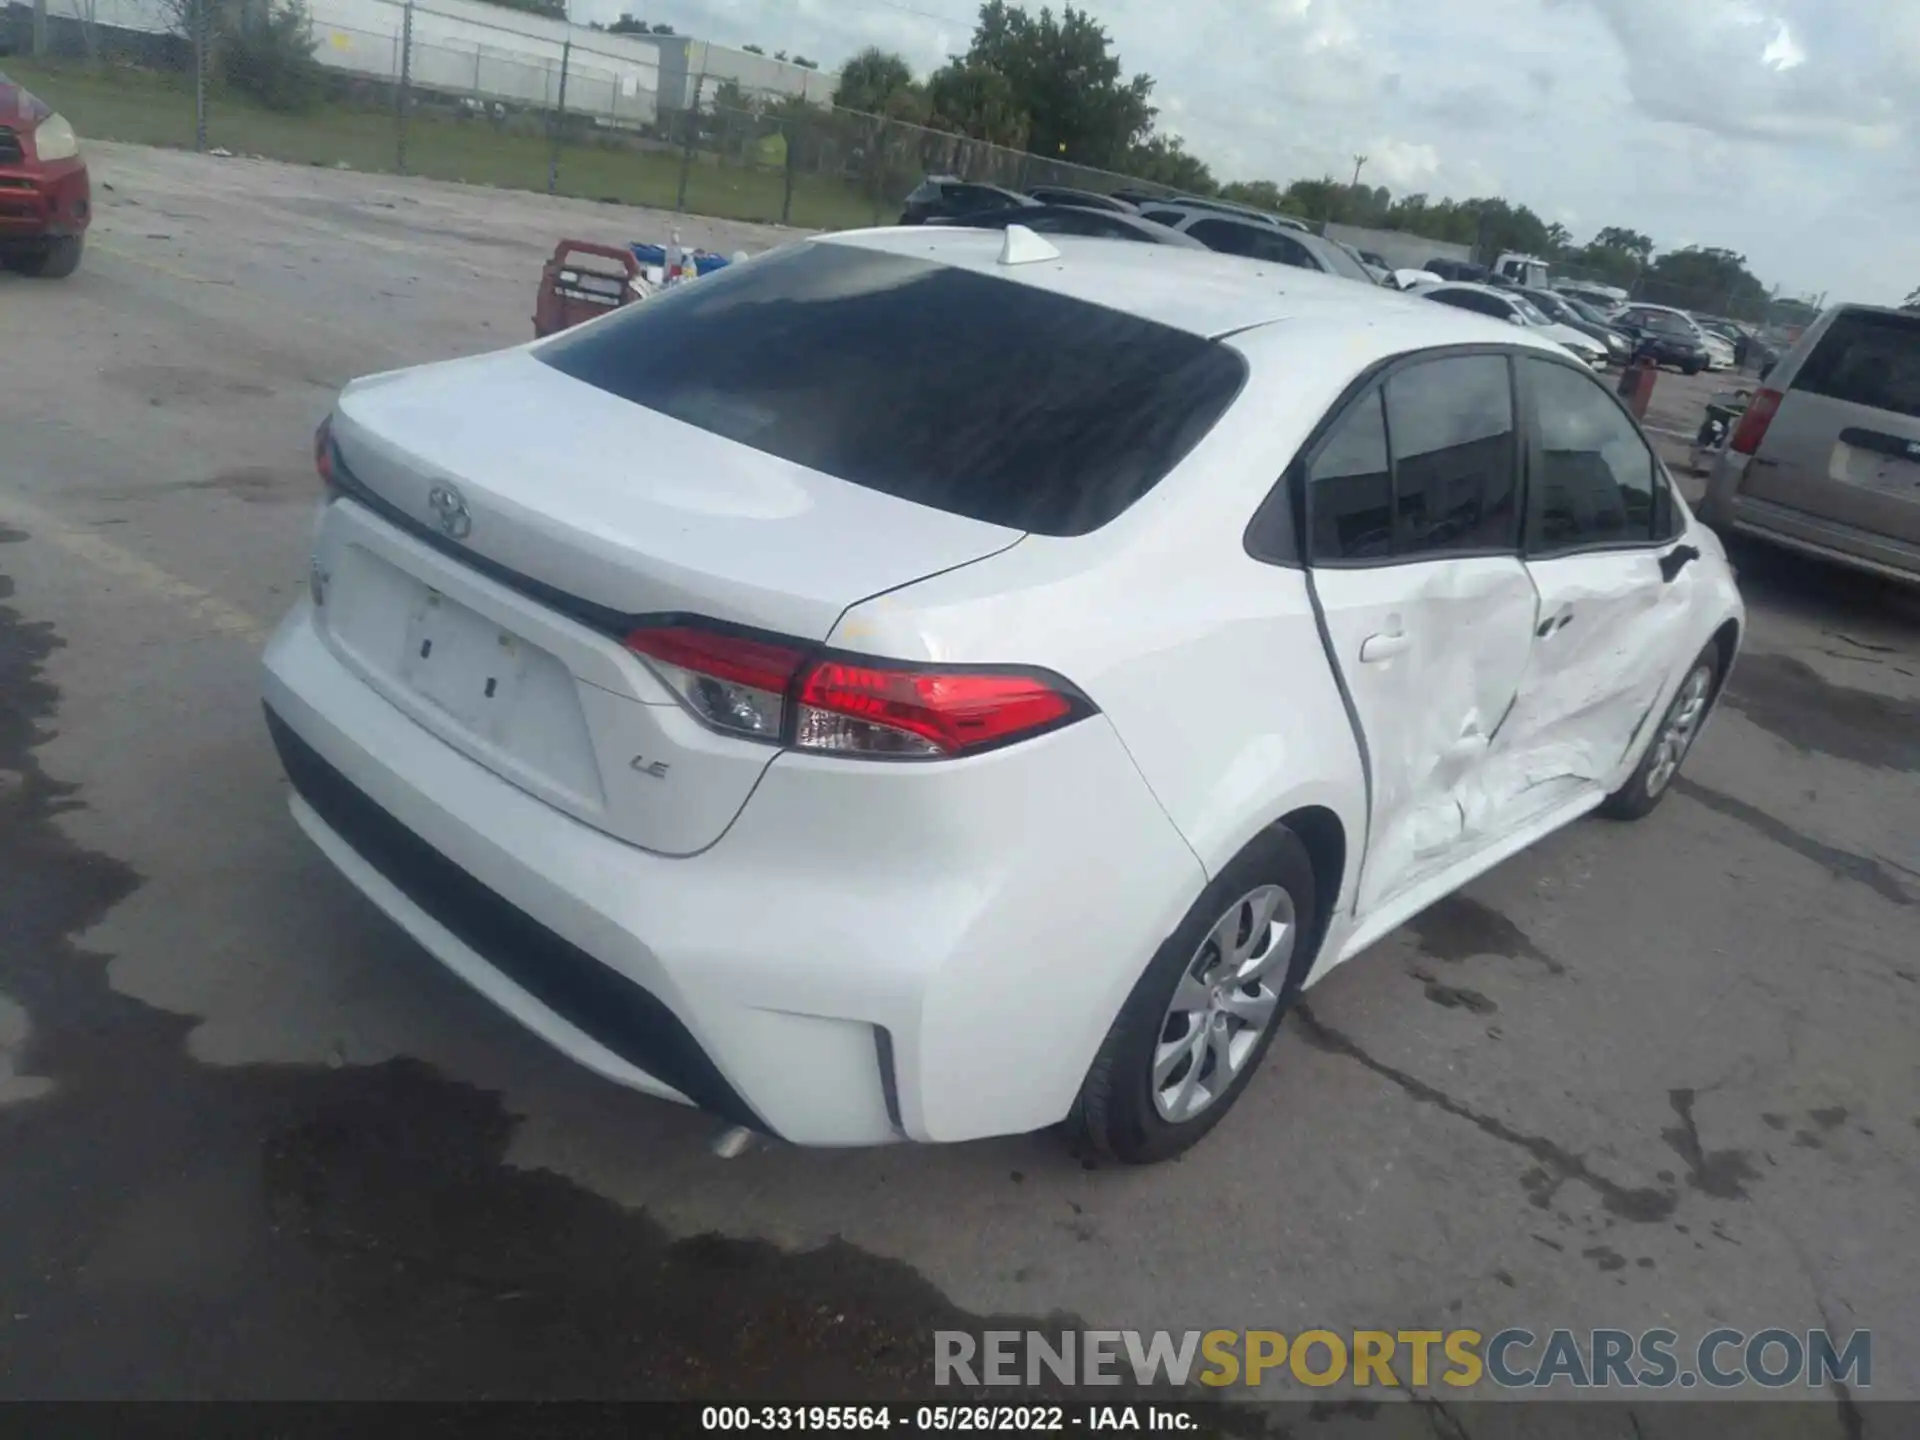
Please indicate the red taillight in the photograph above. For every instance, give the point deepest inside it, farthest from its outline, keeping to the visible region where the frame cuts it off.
(733, 682)
(776, 690)
(1753, 424)
(323, 453)
(865, 708)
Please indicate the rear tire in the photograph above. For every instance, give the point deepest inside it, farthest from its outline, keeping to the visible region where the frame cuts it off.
(1690, 369)
(1679, 727)
(53, 259)
(1199, 1021)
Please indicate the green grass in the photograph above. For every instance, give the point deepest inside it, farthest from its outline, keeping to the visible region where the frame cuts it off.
(147, 108)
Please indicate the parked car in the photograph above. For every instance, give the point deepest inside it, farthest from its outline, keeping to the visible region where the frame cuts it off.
(1377, 274)
(1562, 311)
(1187, 204)
(1513, 307)
(46, 200)
(789, 718)
(1667, 337)
(1826, 458)
(1231, 235)
(1073, 220)
(1084, 199)
(1461, 270)
(1604, 298)
(1719, 349)
(941, 198)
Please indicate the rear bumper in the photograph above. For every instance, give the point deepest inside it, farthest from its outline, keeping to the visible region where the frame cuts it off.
(43, 201)
(836, 970)
(1809, 534)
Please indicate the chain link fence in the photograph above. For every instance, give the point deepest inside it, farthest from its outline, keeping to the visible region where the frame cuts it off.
(461, 91)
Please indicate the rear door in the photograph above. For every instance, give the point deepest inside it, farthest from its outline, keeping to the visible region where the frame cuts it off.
(1845, 443)
(1428, 610)
(1602, 549)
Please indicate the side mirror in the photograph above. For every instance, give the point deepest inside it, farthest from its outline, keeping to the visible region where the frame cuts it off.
(1513, 319)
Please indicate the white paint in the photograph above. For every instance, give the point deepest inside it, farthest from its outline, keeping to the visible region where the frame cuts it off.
(926, 898)
(1023, 247)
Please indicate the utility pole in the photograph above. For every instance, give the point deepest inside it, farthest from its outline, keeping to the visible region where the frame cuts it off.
(1359, 162)
(403, 97)
(39, 29)
(559, 120)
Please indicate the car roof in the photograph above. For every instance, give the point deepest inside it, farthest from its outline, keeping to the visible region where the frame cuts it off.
(1126, 219)
(1205, 293)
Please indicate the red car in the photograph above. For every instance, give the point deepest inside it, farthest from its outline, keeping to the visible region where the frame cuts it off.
(45, 200)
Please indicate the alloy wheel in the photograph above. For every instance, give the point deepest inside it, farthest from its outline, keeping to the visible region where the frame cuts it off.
(1227, 999)
(1677, 735)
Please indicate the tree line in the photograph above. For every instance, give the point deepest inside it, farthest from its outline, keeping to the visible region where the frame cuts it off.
(1051, 85)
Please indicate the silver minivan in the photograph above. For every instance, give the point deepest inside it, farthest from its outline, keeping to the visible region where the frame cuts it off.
(1826, 459)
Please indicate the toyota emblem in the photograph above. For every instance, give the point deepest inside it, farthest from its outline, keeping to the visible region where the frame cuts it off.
(450, 512)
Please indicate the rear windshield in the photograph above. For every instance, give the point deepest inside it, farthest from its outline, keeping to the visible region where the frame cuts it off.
(979, 396)
(1867, 359)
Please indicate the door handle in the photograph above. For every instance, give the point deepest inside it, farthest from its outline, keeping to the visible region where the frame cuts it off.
(1377, 648)
(1676, 560)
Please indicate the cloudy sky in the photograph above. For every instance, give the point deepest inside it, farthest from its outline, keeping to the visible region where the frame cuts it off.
(1784, 129)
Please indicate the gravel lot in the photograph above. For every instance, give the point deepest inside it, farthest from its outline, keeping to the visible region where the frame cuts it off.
(256, 1144)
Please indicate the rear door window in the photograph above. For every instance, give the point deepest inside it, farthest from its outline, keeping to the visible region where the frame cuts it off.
(1867, 359)
(999, 401)
(1596, 482)
(1455, 460)
(1422, 467)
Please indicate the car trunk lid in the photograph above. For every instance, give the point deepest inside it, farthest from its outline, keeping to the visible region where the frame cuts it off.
(506, 523)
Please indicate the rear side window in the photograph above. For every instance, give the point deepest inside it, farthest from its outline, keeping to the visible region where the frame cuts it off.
(1350, 487)
(1596, 483)
(1164, 217)
(1226, 237)
(1867, 359)
(978, 396)
(1425, 466)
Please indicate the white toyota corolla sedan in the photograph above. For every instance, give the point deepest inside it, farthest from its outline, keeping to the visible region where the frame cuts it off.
(933, 683)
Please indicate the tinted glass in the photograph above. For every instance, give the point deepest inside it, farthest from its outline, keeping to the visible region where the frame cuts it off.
(1596, 480)
(1472, 300)
(1454, 456)
(1228, 237)
(1867, 359)
(1282, 249)
(1339, 261)
(1529, 311)
(966, 199)
(1165, 217)
(1002, 402)
(1349, 489)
